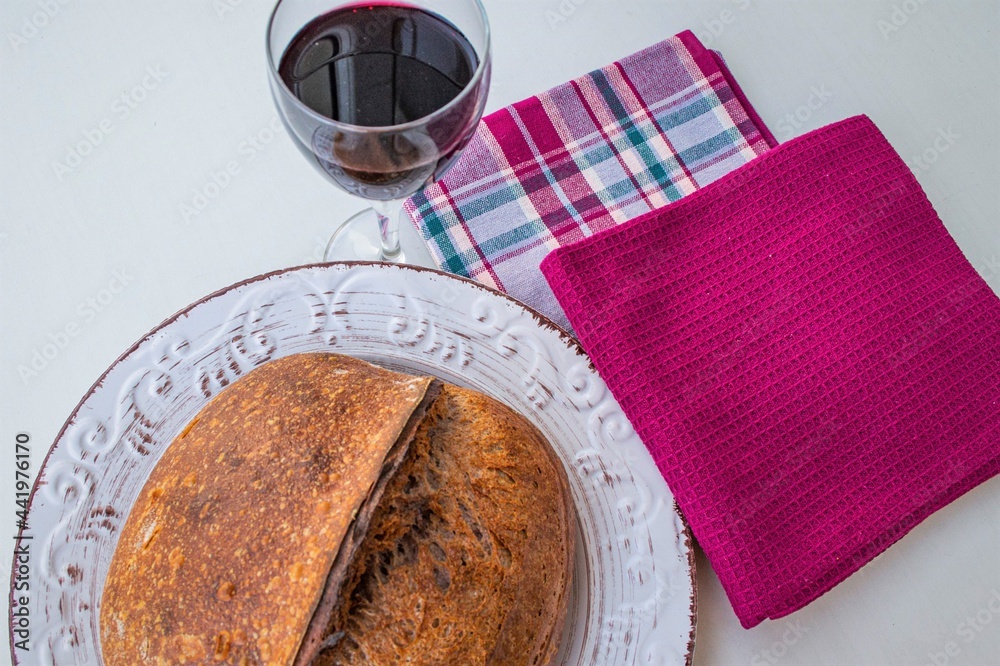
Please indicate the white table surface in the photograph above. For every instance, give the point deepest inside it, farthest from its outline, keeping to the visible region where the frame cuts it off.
(103, 250)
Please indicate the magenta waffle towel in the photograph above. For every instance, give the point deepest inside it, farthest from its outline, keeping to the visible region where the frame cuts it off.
(582, 157)
(809, 358)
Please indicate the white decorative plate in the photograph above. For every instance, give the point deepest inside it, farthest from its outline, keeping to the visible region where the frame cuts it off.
(633, 601)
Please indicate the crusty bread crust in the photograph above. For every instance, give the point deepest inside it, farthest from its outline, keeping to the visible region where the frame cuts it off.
(227, 549)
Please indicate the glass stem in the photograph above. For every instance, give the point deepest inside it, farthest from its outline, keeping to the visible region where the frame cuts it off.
(388, 226)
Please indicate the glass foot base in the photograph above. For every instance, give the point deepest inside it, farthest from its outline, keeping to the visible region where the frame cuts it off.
(359, 239)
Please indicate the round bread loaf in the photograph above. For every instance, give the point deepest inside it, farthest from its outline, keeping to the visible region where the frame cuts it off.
(322, 511)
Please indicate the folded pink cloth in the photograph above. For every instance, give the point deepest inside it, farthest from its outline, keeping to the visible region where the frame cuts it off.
(813, 364)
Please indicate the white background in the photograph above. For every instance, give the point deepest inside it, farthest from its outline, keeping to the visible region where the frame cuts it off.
(927, 72)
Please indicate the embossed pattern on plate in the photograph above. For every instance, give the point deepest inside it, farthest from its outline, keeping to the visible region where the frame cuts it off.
(633, 599)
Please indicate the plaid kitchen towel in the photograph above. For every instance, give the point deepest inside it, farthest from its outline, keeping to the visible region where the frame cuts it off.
(583, 157)
(805, 352)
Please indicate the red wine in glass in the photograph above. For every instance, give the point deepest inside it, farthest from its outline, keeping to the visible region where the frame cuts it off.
(381, 97)
(382, 66)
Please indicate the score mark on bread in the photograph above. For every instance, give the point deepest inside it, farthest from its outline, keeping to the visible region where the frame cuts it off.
(322, 511)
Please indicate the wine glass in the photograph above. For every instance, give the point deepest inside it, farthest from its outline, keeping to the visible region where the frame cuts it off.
(381, 97)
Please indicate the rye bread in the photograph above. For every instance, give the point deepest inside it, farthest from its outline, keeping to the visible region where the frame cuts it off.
(323, 511)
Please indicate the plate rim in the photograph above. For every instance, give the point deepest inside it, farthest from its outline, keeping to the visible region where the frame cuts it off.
(540, 319)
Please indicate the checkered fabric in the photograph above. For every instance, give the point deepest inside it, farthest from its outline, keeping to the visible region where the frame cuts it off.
(583, 157)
